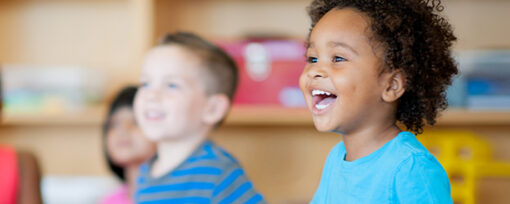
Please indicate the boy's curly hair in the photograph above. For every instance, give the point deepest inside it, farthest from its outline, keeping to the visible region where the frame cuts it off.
(415, 40)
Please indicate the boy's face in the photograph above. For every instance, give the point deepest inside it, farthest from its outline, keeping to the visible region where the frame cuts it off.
(341, 79)
(171, 98)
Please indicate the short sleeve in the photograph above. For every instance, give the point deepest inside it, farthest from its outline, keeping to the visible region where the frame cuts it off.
(421, 179)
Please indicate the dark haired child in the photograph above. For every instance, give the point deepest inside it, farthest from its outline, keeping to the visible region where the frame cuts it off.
(187, 85)
(373, 64)
(125, 147)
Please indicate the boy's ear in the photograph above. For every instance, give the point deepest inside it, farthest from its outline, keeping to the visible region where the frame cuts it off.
(216, 108)
(395, 86)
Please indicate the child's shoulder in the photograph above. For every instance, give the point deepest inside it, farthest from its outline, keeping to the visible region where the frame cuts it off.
(409, 151)
(212, 156)
(208, 161)
(207, 156)
(211, 152)
(210, 174)
(419, 175)
(338, 149)
(407, 145)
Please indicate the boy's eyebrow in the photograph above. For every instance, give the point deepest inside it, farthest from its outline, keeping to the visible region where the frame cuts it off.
(341, 44)
(308, 44)
(334, 44)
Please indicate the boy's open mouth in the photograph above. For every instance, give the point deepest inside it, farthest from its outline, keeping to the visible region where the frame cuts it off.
(153, 115)
(322, 99)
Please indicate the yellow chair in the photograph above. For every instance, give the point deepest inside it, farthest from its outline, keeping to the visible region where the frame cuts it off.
(465, 157)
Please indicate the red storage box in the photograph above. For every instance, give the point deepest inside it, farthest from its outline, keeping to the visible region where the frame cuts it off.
(269, 71)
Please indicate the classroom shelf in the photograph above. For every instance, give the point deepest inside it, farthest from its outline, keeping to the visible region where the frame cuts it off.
(89, 116)
(252, 115)
(463, 117)
(243, 115)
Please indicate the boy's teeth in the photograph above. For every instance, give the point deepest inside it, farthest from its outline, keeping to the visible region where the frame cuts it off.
(320, 92)
(154, 114)
(321, 106)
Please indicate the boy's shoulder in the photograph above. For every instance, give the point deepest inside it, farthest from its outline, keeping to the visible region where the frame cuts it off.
(408, 152)
(418, 175)
(407, 146)
(211, 153)
(209, 173)
(207, 158)
(210, 159)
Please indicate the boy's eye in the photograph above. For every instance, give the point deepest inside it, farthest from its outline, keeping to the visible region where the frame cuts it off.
(172, 85)
(312, 60)
(338, 59)
(144, 84)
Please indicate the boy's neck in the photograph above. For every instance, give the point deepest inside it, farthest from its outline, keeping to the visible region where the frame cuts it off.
(361, 143)
(171, 153)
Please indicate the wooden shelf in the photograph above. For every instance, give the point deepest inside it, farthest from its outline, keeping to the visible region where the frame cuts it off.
(246, 115)
(90, 116)
(242, 115)
(463, 117)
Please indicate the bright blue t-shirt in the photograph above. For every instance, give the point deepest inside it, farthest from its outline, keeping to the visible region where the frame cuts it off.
(401, 171)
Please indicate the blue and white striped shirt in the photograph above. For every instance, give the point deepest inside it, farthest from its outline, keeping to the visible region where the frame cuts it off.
(209, 175)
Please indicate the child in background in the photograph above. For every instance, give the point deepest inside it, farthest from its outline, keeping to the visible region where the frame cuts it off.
(371, 64)
(125, 146)
(187, 85)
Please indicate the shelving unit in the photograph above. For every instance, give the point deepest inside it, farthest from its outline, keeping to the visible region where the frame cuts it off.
(232, 19)
(249, 115)
(91, 116)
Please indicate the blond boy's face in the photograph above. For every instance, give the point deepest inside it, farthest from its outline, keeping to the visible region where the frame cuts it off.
(340, 81)
(171, 98)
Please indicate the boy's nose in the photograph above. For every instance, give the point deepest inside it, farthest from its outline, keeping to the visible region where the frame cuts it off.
(317, 72)
(153, 96)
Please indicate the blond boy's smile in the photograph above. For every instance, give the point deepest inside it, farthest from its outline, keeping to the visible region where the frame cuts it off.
(154, 115)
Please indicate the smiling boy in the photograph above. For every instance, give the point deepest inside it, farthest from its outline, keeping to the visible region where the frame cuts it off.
(371, 64)
(187, 85)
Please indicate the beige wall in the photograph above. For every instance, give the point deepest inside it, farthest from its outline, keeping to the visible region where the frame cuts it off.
(110, 36)
(480, 24)
(61, 150)
(477, 23)
(228, 19)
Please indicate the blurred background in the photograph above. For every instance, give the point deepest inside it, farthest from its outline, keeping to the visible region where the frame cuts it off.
(63, 60)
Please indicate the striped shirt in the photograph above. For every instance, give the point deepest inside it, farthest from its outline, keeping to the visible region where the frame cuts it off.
(209, 175)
